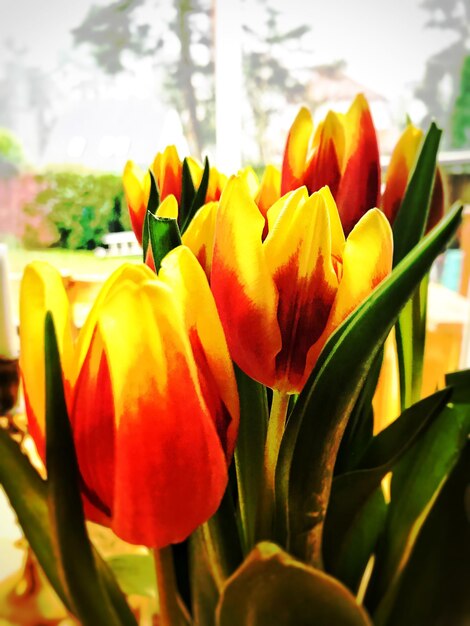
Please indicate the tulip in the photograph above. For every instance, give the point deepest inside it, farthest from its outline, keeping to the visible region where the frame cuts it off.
(167, 169)
(150, 391)
(279, 299)
(341, 153)
(402, 163)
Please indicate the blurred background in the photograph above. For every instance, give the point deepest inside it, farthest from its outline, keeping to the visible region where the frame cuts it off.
(87, 84)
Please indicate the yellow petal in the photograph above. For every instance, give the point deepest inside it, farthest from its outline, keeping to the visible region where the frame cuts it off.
(296, 151)
(127, 272)
(250, 178)
(199, 236)
(367, 260)
(42, 290)
(242, 284)
(182, 272)
(168, 208)
(298, 253)
(269, 189)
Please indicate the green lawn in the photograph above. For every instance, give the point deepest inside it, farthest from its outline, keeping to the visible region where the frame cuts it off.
(77, 263)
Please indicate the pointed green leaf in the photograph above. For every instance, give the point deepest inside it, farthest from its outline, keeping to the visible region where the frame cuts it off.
(315, 427)
(360, 427)
(164, 236)
(434, 586)
(271, 587)
(355, 511)
(416, 483)
(249, 453)
(410, 223)
(76, 561)
(204, 588)
(188, 192)
(152, 207)
(199, 198)
(410, 339)
(27, 493)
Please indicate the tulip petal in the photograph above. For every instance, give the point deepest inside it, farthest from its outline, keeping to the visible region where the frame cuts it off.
(359, 187)
(42, 290)
(168, 169)
(298, 254)
(181, 271)
(243, 287)
(199, 236)
(269, 189)
(126, 272)
(93, 426)
(325, 164)
(367, 260)
(168, 208)
(217, 182)
(136, 189)
(251, 180)
(296, 151)
(401, 164)
(170, 469)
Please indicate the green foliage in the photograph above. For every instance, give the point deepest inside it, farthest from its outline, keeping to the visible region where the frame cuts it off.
(11, 149)
(461, 115)
(81, 208)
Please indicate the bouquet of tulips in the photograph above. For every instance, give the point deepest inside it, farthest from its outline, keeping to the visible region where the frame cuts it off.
(218, 406)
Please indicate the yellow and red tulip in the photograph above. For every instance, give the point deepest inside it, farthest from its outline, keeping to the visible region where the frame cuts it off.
(341, 153)
(150, 391)
(402, 163)
(167, 168)
(280, 297)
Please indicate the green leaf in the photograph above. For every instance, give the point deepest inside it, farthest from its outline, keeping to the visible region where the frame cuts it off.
(164, 236)
(152, 207)
(356, 509)
(408, 229)
(188, 192)
(416, 483)
(199, 198)
(316, 425)
(27, 493)
(73, 550)
(410, 223)
(390, 444)
(360, 427)
(439, 567)
(249, 453)
(271, 587)
(204, 588)
(410, 340)
(135, 573)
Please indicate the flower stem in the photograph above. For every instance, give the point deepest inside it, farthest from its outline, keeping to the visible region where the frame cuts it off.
(276, 424)
(171, 611)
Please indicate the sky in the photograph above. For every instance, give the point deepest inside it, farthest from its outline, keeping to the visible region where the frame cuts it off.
(384, 43)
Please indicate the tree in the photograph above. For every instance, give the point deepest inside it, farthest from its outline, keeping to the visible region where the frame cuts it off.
(184, 47)
(461, 116)
(182, 44)
(269, 82)
(11, 149)
(81, 208)
(442, 77)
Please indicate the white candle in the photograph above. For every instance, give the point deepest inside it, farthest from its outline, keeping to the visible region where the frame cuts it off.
(8, 336)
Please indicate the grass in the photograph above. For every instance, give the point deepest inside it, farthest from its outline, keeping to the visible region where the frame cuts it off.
(76, 263)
